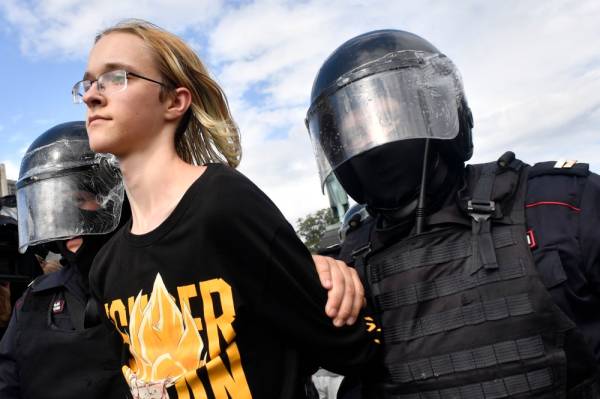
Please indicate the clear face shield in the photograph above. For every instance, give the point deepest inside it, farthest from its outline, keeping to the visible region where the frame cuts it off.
(61, 201)
(404, 95)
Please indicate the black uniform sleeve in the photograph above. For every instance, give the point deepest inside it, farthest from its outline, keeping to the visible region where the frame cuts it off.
(295, 301)
(9, 374)
(590, 231)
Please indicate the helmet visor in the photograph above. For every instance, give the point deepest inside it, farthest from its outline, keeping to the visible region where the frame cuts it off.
(81, 202)
(406, 95)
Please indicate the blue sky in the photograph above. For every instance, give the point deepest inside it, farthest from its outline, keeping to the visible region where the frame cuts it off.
(531, 71)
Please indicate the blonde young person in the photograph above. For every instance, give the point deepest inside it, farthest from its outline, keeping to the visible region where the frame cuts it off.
(209, 287)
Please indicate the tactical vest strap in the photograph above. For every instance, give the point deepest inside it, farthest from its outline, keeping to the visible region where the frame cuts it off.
(519, 384)
(470, 359)
(589, 389)
(361, 241)
(401, 259)
(480, 207)
(452, 319)
(75, 309)
(360, 265)
(445, 286)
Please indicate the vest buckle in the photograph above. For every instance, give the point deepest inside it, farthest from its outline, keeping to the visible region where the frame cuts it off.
(481, 210)
(484, 253)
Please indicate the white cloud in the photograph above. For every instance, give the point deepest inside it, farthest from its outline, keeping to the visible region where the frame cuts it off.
(531, 69)
(528, 69)
(68, 27)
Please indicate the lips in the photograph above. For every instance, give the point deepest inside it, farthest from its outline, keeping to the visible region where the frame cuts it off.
(94, 118)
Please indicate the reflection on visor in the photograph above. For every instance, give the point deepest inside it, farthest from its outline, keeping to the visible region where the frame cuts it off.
(65, 206)
(85, 200)
(420, 101)
(60, 155)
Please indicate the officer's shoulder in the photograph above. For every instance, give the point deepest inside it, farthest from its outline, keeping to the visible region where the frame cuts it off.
(559, 179)
(561, 167)
(51, 280)
(32, 287)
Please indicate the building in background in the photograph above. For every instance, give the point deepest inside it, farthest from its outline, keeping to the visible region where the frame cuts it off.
(7, 187)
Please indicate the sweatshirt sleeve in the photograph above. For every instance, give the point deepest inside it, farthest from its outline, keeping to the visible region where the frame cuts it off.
(295, 301)
(281, 282)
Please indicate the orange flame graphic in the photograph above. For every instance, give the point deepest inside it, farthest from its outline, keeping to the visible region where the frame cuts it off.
(165, 343)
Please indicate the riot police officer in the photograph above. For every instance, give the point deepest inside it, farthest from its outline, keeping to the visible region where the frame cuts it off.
(485, 278)
(16, 270)
(69, 198)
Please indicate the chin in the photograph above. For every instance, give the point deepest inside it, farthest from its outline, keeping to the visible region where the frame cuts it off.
(95, 144)
(99, 143)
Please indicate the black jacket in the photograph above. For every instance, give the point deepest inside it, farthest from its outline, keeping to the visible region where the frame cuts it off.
(47, 353)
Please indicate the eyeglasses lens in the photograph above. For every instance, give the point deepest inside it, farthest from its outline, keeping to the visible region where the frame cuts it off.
(109, 82)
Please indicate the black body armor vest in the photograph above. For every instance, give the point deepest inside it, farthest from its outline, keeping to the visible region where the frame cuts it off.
(51, 337)
(463, 311)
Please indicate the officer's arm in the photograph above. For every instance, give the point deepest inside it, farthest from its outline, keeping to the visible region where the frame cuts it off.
(590, 232)
(9, 375)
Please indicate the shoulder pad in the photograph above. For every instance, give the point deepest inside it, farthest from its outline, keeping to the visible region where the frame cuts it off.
(37, 281)
(51, 280)
(571, 168)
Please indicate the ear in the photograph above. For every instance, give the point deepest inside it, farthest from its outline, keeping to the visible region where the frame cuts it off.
(177, 103)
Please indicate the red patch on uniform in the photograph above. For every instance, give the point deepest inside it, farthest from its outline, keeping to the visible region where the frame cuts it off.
(531, 239)
(58, 306)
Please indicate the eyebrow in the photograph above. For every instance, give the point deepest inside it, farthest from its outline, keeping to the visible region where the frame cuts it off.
(111, 66)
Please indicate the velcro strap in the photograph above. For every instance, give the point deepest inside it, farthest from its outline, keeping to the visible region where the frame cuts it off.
(402, 258)
(589, 389)
(498, 388)
(467, 315)
(484, 253)
(76, 310)
(468, 360)
(444, 286)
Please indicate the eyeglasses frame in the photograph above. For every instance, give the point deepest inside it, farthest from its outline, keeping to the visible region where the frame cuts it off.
(127, 74)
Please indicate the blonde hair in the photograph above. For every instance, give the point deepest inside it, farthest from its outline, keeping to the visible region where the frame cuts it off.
(207, 132)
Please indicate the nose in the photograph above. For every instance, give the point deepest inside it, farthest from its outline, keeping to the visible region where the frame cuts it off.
(92, 97)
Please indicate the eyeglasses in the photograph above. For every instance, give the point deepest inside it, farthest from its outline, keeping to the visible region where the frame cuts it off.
(107, 83)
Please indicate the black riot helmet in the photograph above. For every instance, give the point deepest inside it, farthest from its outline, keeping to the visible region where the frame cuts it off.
(353, 219)
(374, 102)
(65, 189)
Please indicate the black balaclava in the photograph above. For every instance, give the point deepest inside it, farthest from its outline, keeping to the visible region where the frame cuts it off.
(91, 244)
(83, 258)
(388, 179)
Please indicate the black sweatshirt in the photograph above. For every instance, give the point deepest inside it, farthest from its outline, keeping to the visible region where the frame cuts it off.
(223, 298)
